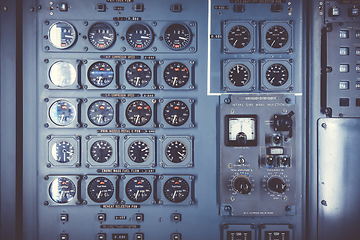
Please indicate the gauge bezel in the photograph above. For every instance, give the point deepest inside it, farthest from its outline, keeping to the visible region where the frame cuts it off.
(189, 32)
(51, 84)
(190, 85)
(114, 179)
(112, 162)
(75, 102)
(188, 201)
(151, 36)
(130, 107)
(125, 122)
(265, 47)
(114, 123)
(187, 141)
(227, 66)
(112, 85)
(110, 27)
(190, 121)
(150, 141)
(74, 140)
(73, 29)
(125, 179)
(287, 86)
(48, 179)
(125, 85)
(250, 47)
(234, 143)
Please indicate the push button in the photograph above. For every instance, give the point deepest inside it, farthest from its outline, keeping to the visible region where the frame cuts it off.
(101, 7)
(357, 34)
(139, 217)
(176, 236)
(64, 217)
(344, 51)
(276, 8)
(344, 85)
(139, 7)
(239, 8)
(177, 217)
(353, 12)
(101, 236)
(344, 68)
(344, 34)
(344, 102)
(176, 8)
(63, 7)
(139, 236)
(64, 237)
(101, 216)
(334, 12)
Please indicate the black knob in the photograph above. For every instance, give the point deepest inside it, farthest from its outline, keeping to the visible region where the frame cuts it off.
(241, 138)
(242, 184)
(277, 185)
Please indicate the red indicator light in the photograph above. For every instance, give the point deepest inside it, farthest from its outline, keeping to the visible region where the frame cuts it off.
(176, 46)
(63, 107)
(102, 107)
(139, 183)
(102, 69)
(63, 44)
(101, 45)
(102, 183)
(139, 70)
(186, 69)
(139, 107)
(138, 46)
(176, 182)
(177, 69)
(63, 183)
(176, 107)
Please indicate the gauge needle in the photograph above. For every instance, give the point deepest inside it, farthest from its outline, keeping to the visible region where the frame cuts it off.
(173, 197)
(64, 156)
(144, 149)
(100, 117)
(136, 194)
(62, 118)
(235, 42)
(98, 196)
(173, 121)
(69, 36)
(175, 79)
(182, 38)
(137, 119)
(183, 155)
(145, 37)
(99, 79)
(61, 195)
(272, 43)
(137, 80)
(108, 38)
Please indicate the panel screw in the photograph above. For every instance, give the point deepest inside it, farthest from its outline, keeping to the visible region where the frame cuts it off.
(252, 226)
(46, 125)
(48, 165)
(154, 24)
(46, 37)
(48, 137)
(86, 49)
(116, 23)
(192, 49)
(323, 202)
(287, 208)
(123, 49)
(86, 23)
(87, 165)
(47, 48)
(227, 208)
(287, 100)
(77, 165)
(46, 60)
(46, 178)
(46, 203)
(227, 100)
(5, 9)
(154, 49)
(263, 226)
(46, 86)
(84, 37)
(323, 125)
(46, 22)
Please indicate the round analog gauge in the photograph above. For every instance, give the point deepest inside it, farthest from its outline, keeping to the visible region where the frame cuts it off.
(138, 74)
(62, 35)
(100, 74)
(176, 189)
(139, 36)
(138, 113)
(100, 189)
(277, 74)
(63, 151)
(100, 113)
(239, 36)
(101, 151)
(176, 75)
(277, 36)
(101, 35)
(177, 36)
(176, 113)
(62, 74)
(62, 112)
(176, 151)
(138, 189)
(239, 75)
(62, 190)
(139, 151)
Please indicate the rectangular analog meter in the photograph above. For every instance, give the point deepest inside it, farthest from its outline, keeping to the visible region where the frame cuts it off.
(240, 130)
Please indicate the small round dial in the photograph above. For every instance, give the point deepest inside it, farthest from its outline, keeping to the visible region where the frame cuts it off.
(176, 189)
(176, 75)
(62, 190)
(139, 151)
(277, 74)
(63, 151)
(101, 35)
(62, 112)
(139, 36)
(62, 35)
(276, 184)
(138, 74)
(138, 189)
(100, 189)
(176, 151)
(239, 75)
(62, 74)
(101, 151)
(100, 74)
(176, 113)
(241, 184)
(138, 113)
(239, 36)
(100, 113)
(177, 36)
(277, 36)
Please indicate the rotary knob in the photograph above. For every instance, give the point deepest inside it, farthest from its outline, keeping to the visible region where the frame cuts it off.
(241, 184)
(276, 184)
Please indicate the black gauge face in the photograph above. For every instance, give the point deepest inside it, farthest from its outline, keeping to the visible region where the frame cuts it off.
(239, 75)
(139, 36)
(177, 36)
(277, 74)
(138, 189)
(63, 151)
(138, 74)
(277, 36)
(62, 112)
(176, 151)
(138, 113)
(101, 35)
(62, 35)
(100, 189)
(100, 113)
(139, 151)
(176, 113)
(176, 189)
(101, 151)
(239, 36)
(62, 190)
(176, 75)
(62, 74)
(100, 74)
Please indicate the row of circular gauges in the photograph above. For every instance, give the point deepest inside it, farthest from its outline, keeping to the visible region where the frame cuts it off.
(241, 75)
(103, 35)
(119, 189)
(130, 75)
(241, 37)
(106, 113)
(131, 151)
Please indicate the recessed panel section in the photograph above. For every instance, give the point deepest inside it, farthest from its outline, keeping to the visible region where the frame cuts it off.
(101, 151)
(139, 151)
(62, 190)
(239, 75)
(176, 151)
(63, 151)
(277, 75)
(176, 75)
(239, 36)
(176, 190)
(276, 37)
(100, 189)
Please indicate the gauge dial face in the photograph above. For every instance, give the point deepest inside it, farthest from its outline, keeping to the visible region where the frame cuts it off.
(277, 74)
(176, 189)
(100, 74)
(62, 74)
(62, 113)
(177, 36)
(239, 75)
(242, 129)
(100, 113)
(100, 189)
(139, 151)
(176, 113)
(277, 36)
(138, 189)
(101, 151)
(176, 75)
(62, 190)
(239, 36)
(62, 35)
(101, 35)
(138, 113)
(138, 74)
(139, 36)
(176, 151)
(63, 151)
